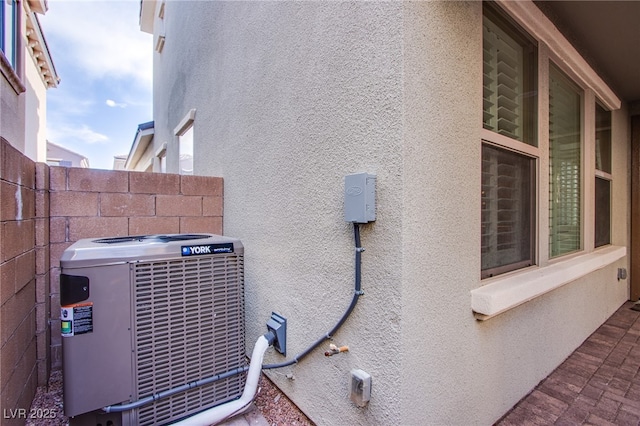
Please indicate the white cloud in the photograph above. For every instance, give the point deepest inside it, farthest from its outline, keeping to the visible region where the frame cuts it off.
(83, 134)
(103, 38)
(113, 104)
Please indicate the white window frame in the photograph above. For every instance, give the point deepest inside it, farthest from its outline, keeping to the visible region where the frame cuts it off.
(526, 148)
(11, 67)
(160, 160)
(499, 294)
(599, 174)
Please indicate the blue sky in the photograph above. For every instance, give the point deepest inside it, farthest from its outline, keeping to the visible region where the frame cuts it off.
(105, 64)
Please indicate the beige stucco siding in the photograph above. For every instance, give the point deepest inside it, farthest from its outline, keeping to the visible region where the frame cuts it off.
(291, 97)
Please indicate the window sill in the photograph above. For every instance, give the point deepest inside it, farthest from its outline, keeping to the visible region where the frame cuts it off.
(504, 293)
(10, 75)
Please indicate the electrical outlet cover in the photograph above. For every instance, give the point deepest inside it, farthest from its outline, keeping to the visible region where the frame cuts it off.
(360, 387)
(278, 325)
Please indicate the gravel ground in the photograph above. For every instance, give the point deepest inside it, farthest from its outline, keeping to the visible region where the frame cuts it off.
(276, 408)
(48, 400)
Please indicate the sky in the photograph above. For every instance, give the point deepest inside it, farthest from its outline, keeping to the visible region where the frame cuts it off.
(105, 64)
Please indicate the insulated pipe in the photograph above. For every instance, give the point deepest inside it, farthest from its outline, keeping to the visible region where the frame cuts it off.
(222, 412)
(173, 391)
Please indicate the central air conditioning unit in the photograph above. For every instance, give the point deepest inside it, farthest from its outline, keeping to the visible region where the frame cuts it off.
(145, 314)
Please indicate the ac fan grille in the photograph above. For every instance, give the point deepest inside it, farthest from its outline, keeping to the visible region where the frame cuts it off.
(189, 324)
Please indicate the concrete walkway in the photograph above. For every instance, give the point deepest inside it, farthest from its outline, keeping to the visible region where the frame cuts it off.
(598, 384)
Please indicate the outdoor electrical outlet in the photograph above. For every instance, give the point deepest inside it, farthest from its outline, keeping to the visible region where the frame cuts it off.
(360, 387)
(622, 274)
(277, 324)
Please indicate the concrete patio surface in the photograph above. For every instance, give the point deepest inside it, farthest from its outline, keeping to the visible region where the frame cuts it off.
(598, 384)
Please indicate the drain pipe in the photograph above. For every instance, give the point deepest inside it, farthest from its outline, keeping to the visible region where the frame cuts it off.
(222, 412)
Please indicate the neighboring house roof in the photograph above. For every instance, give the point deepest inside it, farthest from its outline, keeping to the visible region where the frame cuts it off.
(142, 139)
(61, 156)
(37, 46)
(119, 162)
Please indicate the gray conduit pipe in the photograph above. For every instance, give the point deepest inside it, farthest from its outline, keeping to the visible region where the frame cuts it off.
(170, 392)
(222, 412)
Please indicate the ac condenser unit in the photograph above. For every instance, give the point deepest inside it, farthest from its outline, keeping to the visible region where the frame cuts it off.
(145, 314)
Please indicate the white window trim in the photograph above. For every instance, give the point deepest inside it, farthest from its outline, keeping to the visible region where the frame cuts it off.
(184, 124)
(507, 292)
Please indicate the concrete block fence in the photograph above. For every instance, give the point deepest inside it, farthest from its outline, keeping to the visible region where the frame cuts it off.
(43, 210)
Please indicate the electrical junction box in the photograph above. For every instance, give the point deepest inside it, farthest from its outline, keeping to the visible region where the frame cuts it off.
(360, 198)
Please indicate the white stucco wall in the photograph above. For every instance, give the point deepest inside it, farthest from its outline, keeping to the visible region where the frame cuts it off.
(36, 112)
(290, 97)
(12, 111)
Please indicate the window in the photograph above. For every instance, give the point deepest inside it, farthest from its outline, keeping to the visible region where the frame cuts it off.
(509, 150)
(507, 210)
(184, 132)
(509, 64)
(185, 143)
(547, 190)
(160, 161)
(565, 171)
(603, 177)
(9, 31)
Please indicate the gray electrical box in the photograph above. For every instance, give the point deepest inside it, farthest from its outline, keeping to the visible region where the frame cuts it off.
(360, 198)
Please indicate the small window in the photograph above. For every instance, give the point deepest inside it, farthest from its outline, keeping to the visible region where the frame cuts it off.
(163, 164)
(603, 177)
(508, 208)
(185, 143)
(565, 164)
(184, 132)
(603, 139)
(603, 212)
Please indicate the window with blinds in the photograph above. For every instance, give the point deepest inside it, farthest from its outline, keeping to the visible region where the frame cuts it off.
(603, 177)
(508, 79)
(565, 165)
(508, 176)
(507, 210)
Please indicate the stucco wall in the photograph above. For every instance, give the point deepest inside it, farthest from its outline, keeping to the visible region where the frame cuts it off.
(36, 112)
(289, 98)
(12, 114)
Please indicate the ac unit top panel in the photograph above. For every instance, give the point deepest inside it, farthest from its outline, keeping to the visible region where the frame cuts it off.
(102, 251)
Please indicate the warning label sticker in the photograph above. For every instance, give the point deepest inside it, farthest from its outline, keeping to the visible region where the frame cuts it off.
(76, 319)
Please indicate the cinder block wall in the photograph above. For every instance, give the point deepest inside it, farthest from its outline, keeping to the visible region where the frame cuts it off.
(87, 203)
(18, 371)
(43, 210)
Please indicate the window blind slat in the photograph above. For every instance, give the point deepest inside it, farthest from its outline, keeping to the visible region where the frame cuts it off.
(503, 82)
